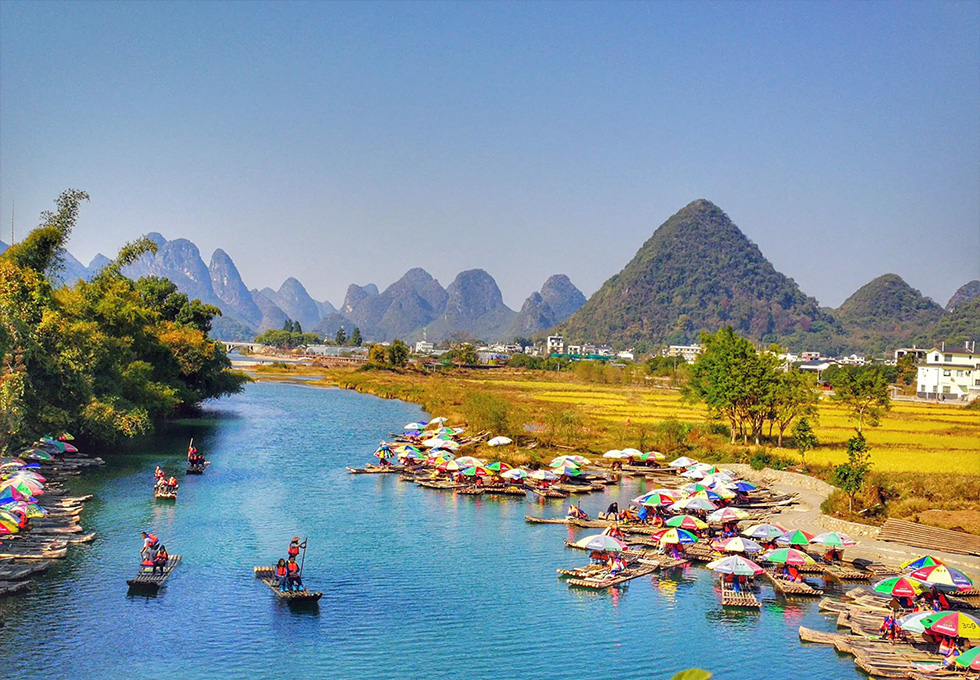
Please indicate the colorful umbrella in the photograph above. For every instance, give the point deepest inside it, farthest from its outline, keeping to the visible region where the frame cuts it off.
(562, 461)
(677, 536)
(38, 454)
(954, 624)
(500, 441)
(383, 452)
(706, 495)
(764, 532)
(797, 537)
(693, 474)
(899, 586)
(651, 455)
(744, 487)
(655, 500)
(567, 471)
(728, 515)
(601, 542)
(924, 561)
(615, 454)
(686, 522)
(695, 504)
(787, 556)
(942, 576)
(497, 466)
(738, 544)
(913, 622)
(834, 539)
(543, 475)
(470, 461)
(416, 426)
(437, 421)
(445, 444)
(682, 462)
(734, 564)
(475, 472)
(516, 473)
(671, 493)
(633, 453)
(969, 659)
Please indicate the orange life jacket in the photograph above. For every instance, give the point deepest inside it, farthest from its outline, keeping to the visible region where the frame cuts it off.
(281, 571)
(293, 549)
(161, 557)
(293, 567)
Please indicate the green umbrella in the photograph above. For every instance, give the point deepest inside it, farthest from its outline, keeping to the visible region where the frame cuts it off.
(969, 659)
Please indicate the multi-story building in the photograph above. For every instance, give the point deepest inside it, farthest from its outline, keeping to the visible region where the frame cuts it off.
(689, 352)
(555, 344)
(950, 374)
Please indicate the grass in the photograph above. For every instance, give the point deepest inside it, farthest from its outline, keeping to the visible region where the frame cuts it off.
(927, 457)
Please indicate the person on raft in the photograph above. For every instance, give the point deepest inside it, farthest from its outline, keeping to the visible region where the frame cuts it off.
(150, 543)
(160, 559)
(612, 512)
(292, 569)
(282, 573)
(294, 546)
(172, 484)
(576, 512)
(158, 474)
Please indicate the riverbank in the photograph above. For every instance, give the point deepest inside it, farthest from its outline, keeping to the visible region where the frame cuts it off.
(926, 460)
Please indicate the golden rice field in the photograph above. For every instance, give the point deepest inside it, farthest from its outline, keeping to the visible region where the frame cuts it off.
(912, 437)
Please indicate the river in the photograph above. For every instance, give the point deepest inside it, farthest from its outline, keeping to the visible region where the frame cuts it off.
(416, 583)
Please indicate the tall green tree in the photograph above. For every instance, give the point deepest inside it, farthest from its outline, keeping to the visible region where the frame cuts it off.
(804, 439)
(864, 393)
(341, 336)
(850, 476)
(355, 337)
(794, 396)
(398, 353)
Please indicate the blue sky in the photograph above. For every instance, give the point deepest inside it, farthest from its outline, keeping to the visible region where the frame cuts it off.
(347, 142)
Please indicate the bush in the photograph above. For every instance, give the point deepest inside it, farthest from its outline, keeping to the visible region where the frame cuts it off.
(765, 459)
(485, 411)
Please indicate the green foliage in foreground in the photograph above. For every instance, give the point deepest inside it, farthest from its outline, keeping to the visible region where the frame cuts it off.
(103, 359)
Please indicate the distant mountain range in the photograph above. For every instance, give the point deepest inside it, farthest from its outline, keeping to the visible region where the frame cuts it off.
(698, 271)
(413, 307)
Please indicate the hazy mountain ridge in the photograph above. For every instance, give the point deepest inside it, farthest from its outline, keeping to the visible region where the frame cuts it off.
(968, 291)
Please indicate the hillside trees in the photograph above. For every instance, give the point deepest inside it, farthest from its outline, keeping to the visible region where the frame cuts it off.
(106, 358)
(863, 392)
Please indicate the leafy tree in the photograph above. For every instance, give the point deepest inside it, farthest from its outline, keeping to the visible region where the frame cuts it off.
(464, 354)
(804, 439)
(398, 353)
(287, 325)
(794, 397)
(355, 337)
(341, 336)
(377, 355)
(907, 370)
(850, 476)
(287, 339)
(864, 393)
(297, 328)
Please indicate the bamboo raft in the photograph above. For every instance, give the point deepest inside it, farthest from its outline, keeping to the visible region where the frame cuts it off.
(13, 587)
(470, 490)
(843, 573)
(877, 657)
(662, 561)
(730, 598)
(161, 494)
(512, 490)
(267, 576)
(147, 581)
(547, 520)
(34, 550)
(375, 469)
(792, 588)
(441, 486)
(198, 469)
(603, 582)
(549, 493)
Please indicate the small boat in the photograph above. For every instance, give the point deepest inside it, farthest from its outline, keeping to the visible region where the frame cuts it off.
(605, 580)
(163, 494)
(198, 468)
(549, 493)
(470, 491)
(147, 581)
(267, 576)
(745, 598)
(506, 490)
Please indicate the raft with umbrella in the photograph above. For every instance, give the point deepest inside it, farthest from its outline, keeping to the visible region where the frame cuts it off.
(736, 565)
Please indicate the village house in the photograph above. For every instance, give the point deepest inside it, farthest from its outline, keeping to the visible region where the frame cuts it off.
(950, 374)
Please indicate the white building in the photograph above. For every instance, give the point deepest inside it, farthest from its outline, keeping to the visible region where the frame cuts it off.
(574, 349)
(950, 374)
(688, 352)
(424, 347)
(554, 345)
(626, 355)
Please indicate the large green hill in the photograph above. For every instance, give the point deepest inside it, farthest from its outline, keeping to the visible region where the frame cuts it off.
(700, 272)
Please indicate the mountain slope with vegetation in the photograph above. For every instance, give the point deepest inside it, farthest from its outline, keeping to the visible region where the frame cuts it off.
(888, 312)
(699, 272)
(968, 291)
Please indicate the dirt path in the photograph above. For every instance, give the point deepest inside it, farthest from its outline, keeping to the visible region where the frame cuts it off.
(807, 516)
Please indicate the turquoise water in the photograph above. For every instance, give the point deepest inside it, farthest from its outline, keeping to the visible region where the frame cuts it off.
(416, 583)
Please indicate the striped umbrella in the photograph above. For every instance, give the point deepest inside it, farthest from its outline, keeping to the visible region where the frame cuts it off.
(728, 515)
(954, 624)
(797, 537)
(764, 532)
(682, 462)
(738, 544)
(497, 466)
(924, 561)
(677, 536)
(969, 659)
(602, 542)
(834, 539)
(899, 586)
(655, 500)
(942, 576)
(787, 556)
(693, 504)
(734, 564)
(686, 522)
